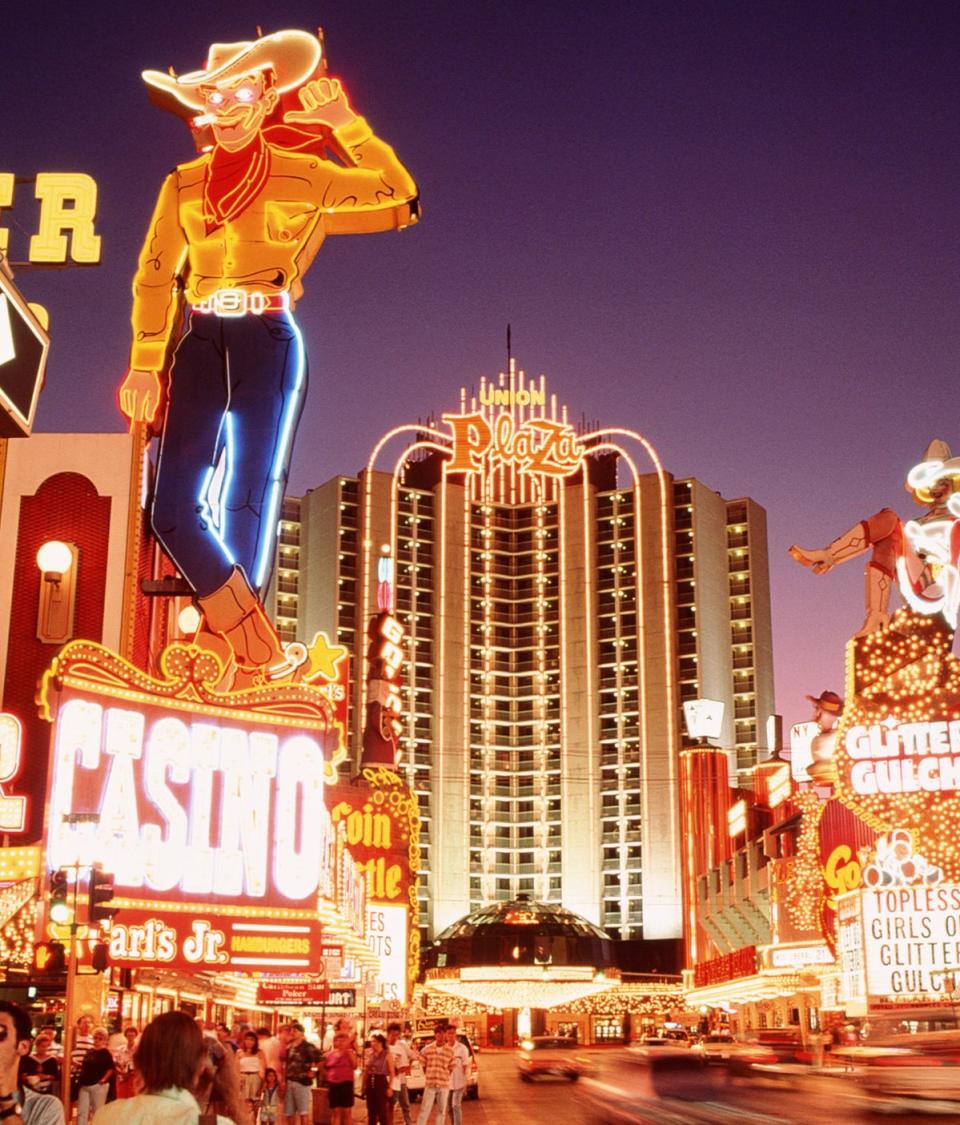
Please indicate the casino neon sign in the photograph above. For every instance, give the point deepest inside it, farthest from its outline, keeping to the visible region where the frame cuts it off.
(892, 757)
(189, 798)
(68, 207)
(192, 806)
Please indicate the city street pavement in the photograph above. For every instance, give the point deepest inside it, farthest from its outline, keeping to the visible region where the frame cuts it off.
(505, 1100)
(810, 1097)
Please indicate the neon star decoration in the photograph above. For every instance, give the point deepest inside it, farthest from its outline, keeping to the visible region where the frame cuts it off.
(324, 658)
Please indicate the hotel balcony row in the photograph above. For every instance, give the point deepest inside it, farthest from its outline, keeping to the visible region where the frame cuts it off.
(733, 899)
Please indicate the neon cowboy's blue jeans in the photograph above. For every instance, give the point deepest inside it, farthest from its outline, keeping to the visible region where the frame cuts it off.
(237, 388)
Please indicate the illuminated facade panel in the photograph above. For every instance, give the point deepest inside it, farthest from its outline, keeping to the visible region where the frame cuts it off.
(561, 598)
(73, 489)
(724, 640)
(284, 586)
(750, 629)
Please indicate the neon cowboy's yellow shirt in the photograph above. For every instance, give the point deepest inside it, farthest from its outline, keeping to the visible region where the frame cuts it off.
(269, 247)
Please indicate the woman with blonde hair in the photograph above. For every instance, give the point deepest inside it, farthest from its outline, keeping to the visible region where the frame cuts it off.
(96, 1070)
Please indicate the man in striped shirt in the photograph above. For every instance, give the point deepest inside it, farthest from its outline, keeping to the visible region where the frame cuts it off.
(438, 1060)
(82, 1042)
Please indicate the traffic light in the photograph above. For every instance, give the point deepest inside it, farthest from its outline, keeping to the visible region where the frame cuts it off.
(49, 958)
(100, 958)
(59, 891)
(100, 893)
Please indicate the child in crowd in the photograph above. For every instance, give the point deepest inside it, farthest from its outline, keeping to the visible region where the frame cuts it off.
(269, 1098)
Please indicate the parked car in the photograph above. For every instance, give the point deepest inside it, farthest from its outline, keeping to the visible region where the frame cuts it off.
(550, 1054)
(415, 1079)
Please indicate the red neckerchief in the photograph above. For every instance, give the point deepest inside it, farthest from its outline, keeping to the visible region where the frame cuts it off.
(233, 180)
(298, 138)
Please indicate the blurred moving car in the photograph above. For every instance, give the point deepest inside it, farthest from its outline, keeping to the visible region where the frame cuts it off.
(739, 1056)
(665, 1086)
(550, 1054)
(415, 1079)
(750, 1057)
(786, 1043)
(715, 1047)
(923, 1067)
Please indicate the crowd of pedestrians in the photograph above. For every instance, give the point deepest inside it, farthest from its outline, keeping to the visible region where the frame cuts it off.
(183, 1071)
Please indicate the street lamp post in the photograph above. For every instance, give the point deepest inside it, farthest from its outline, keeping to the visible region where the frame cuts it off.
(69, 1000)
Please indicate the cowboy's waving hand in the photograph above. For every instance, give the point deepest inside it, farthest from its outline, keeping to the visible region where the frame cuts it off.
(324, 103)
(140, 395)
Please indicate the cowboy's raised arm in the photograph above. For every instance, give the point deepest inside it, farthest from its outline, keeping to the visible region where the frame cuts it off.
(156, 296)
(377, 193)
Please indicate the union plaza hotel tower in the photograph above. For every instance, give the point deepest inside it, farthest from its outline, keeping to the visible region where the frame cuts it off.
(562, 595)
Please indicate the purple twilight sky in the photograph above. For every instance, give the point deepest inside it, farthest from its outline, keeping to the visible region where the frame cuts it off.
(732, 226)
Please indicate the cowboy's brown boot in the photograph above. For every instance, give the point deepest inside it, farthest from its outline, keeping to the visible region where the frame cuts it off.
(847, 546)
(212, 642)
(237, 614)
(877, 597)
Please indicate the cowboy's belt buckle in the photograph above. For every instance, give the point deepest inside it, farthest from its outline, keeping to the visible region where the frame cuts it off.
(229, 302)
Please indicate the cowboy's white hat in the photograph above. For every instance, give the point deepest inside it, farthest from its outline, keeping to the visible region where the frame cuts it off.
(292, 56)
(937, 464)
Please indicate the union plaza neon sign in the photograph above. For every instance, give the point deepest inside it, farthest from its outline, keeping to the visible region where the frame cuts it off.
(191, 805)
(537, 445)
(892, 757)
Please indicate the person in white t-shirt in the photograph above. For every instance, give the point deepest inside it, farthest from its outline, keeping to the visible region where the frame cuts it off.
(458, 1075)
(403, 1055)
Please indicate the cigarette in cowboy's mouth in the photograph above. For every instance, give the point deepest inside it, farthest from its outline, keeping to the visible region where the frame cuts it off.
(205, 119)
